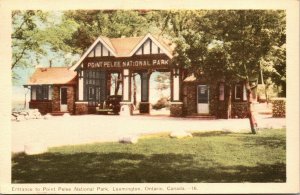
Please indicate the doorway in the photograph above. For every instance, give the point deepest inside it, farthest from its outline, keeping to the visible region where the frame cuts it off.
(63, 99)
(202, 99)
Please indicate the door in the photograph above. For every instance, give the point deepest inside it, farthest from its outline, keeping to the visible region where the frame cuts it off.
(63, 99)
(202, 99)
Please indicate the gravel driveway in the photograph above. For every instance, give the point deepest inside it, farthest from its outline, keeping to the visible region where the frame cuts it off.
(58, 131)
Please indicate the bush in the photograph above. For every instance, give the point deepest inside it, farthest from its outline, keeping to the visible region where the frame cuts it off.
(278, 109)
(163, 102)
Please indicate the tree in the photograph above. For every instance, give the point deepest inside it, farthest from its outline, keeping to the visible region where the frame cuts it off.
(111, 23)
(163, 82)
(238, 40)
(34, 34)
(249, 36)
(26, 41)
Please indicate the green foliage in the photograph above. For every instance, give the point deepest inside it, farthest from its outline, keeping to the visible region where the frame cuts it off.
(163, 81)
(214, 157)
(230, 44)
(34, 34)
(111, 23)
(26, 37)
(163, 102)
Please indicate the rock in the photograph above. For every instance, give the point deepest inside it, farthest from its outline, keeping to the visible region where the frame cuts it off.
(13, 118)
(47, 116)
(35, 148)
(20, 118)
(129, 139)
(27, 114)
(180, 134)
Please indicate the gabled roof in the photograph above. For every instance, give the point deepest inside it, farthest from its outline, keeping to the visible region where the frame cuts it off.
(126, 47)
(53, 75)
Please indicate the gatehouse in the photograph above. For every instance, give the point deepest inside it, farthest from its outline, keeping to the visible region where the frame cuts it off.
(84, 87)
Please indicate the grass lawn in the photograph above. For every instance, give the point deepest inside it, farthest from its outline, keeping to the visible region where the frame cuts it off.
(207, 157)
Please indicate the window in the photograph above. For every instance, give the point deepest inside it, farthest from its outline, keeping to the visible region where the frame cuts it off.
(91, 93)
(94, 86)
(42, 92)
(239, 92)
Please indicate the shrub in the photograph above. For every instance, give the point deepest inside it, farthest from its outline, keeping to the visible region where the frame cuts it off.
(163, 102)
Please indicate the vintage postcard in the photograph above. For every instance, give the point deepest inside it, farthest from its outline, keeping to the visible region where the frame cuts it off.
(144, 97)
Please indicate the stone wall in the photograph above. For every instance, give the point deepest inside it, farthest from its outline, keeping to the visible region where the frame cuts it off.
(278, 108)
(214, 99)
(71, 99)
(189, 99)
(91, 109)
(144, 107)
(81, 108)
(176, 109)
(44, 107)
(239, 110)
(56, 98)
(221, 110)
(217, 107)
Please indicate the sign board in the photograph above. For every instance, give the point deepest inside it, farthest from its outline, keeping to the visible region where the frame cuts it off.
(157, 61)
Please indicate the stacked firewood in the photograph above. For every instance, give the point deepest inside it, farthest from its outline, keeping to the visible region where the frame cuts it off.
(278, 108)
(22, 115)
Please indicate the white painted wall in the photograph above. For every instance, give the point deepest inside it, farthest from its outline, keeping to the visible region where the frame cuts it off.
(139, 51)
(33, 93)
(155, 48)
(80, 88)
(147, 47)
(175, 88)
(98, 50)
(50, 92)
(91, 54)
(244, 93)
(105, 51)
(126, 85)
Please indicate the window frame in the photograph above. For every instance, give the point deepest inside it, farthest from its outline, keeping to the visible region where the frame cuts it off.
(41, 92)
(236, 92)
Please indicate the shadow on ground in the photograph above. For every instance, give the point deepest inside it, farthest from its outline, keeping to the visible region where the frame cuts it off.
(133, 168)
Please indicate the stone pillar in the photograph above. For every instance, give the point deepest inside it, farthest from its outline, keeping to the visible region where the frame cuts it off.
(81, 108)
(145, 104)
(176, 109)
(56, 98)
(126, 104)
(71, 99)
(126, 108)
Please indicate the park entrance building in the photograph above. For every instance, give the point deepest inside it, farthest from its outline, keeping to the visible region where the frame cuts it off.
(85, 86)
(125, 57)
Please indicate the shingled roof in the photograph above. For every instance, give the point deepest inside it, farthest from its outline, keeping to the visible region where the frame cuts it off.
(52, 75)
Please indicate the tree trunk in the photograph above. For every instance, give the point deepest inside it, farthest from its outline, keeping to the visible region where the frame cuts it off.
(266, 93)
(25, 95)
(252, 120)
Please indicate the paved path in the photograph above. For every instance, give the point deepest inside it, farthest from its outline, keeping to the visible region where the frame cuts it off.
(59, 131)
